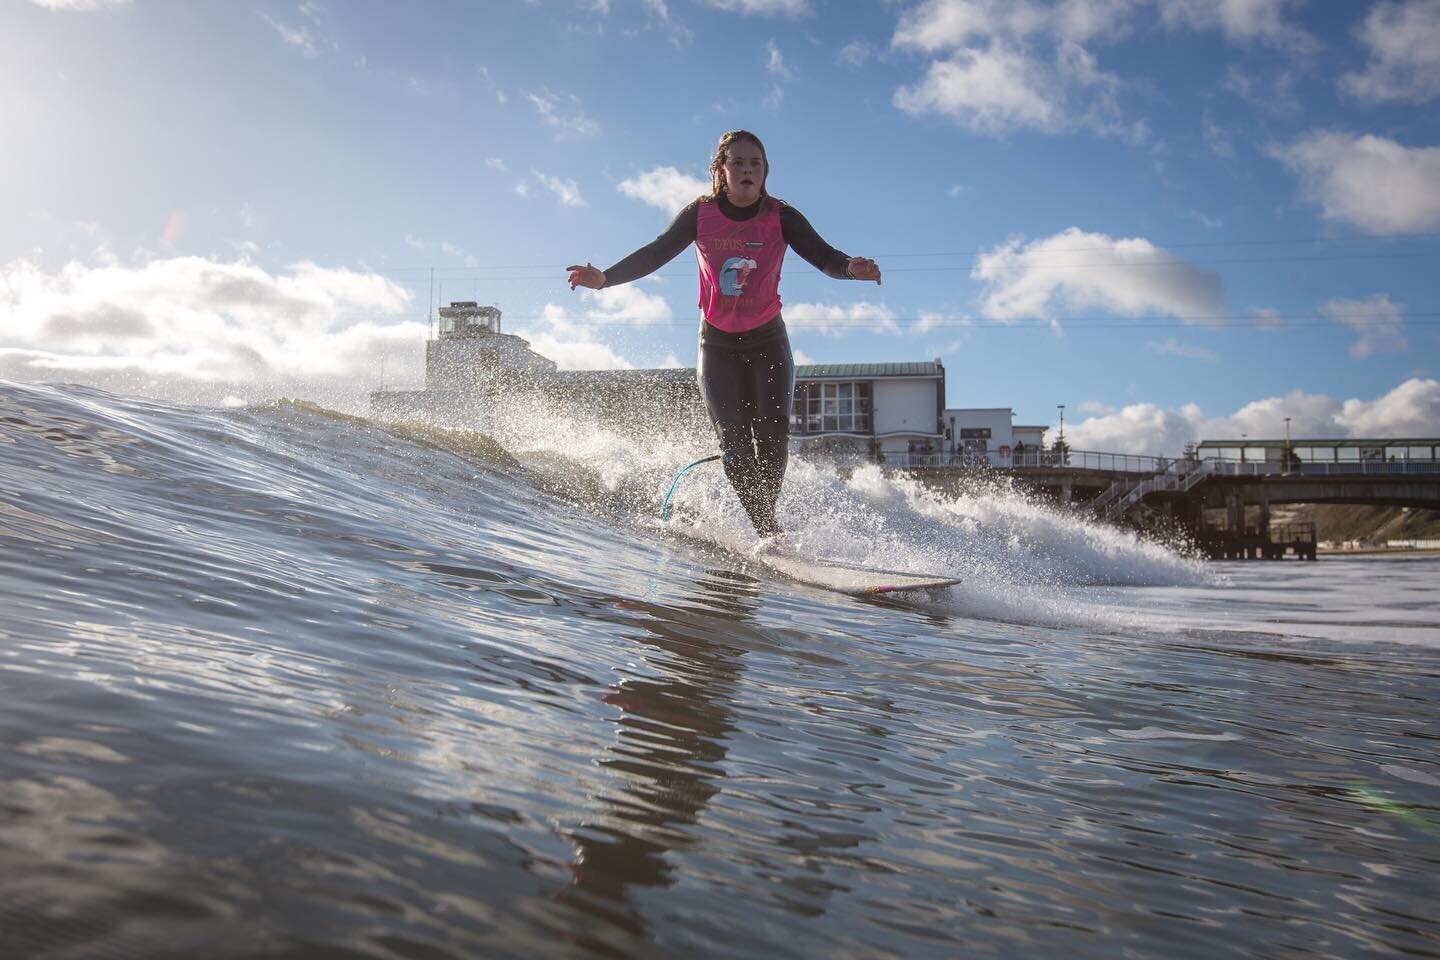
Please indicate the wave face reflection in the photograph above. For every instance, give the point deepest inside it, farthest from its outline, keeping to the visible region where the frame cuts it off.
(277, 682)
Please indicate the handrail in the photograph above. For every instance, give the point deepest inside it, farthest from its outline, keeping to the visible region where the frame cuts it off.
(1110, 494)
(1238, 468)
(1089, 460)
(1042, 459)
(1139, 464)
(1182, 475)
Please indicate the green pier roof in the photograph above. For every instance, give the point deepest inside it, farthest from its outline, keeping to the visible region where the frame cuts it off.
(866, 371)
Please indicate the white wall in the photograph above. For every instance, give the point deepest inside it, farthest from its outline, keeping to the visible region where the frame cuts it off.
(998, 445)
(907, 405)
(1034, 438)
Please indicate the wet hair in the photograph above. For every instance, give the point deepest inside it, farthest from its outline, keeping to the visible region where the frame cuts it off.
(722, 153)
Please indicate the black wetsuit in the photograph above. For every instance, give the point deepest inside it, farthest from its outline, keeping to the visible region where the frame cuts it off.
(746, 379)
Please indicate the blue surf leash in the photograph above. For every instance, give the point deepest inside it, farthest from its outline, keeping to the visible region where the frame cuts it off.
(665, 506)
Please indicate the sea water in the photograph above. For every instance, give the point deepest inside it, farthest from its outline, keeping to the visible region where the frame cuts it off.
(280, 682)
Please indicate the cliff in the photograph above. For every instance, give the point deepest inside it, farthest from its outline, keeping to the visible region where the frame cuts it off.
(1340, 522)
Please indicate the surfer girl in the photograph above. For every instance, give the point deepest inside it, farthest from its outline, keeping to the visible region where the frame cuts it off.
(745, 371)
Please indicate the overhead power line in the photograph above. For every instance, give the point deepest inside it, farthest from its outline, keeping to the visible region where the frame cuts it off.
(1034, 257)
(1187, 244)
(557, 275)
(876, 321)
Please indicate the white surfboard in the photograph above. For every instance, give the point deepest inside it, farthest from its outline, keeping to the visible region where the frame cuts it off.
(782, 558)
(849, 578)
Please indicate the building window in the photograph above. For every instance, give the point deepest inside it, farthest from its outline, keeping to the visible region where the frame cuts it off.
(831, 408)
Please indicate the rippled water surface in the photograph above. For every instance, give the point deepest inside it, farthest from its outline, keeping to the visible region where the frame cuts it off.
(278, 682)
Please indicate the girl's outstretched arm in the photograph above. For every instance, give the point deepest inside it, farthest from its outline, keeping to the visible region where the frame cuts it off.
(643, 262)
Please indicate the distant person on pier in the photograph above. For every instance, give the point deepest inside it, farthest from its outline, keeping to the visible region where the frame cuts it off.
(745, 371)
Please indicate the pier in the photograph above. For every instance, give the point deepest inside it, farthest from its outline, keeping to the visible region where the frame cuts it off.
(1221, 492)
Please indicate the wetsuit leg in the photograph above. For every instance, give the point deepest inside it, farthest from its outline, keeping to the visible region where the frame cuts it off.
(747, 381)
(773, 374)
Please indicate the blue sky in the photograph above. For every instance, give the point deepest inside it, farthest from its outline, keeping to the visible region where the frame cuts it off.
(1180, 218)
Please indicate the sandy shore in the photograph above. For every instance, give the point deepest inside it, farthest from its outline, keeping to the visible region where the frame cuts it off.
(1381, 551)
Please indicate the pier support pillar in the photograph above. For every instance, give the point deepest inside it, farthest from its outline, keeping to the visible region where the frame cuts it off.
(1234, 513)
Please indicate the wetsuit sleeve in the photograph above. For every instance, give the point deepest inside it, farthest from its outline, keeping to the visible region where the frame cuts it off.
(658, 252)
(803, 239)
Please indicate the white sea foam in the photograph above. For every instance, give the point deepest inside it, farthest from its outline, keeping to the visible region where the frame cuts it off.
(1022, 560)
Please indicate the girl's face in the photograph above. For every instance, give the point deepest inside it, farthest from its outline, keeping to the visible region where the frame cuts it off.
(745, 171)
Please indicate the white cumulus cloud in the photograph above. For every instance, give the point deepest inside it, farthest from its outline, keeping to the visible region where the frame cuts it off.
(664, 187)
(1003, 65)
(580, 341)
(627, 304)
(1404, 44)
(191, 328)
(993, 90)
(945, 24)
(1411, 409)
(1075, 270)
(1367, 181)
(836, 320)
(1244, 21)
(1016, 65)
(570, 343)
(1143, 429)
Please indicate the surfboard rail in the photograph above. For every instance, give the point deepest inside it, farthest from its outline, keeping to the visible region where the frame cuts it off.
(850, 578)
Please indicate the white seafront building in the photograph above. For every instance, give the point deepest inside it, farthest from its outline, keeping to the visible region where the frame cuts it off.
(889, 412)
(985, 436)
(467, 358)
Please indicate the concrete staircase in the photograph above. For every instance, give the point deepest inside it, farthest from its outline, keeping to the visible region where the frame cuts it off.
(1122, 495)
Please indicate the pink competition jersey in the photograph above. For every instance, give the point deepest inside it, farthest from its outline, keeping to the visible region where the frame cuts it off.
(739, 267)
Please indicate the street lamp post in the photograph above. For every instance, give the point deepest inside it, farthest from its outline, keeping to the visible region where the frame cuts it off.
(1063, 450)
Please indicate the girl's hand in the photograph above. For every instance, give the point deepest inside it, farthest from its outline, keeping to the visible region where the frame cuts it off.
(586, 276)
(863, 268)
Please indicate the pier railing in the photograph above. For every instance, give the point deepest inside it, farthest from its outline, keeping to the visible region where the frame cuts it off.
(1151, 466)
(1089, 460)
(1272, 468)
(1036, 459)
